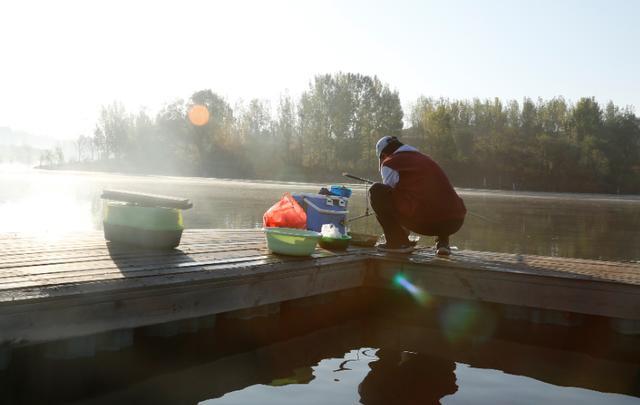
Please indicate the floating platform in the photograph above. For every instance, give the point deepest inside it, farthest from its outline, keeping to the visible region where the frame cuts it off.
(77, 284)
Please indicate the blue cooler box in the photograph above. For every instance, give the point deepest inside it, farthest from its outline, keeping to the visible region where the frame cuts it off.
(323, 209)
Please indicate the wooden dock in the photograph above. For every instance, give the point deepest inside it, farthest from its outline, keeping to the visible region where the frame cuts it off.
(77, 284)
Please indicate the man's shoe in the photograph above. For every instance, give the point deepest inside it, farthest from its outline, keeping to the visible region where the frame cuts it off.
(443, 251)
(411, 242)
(384, 247)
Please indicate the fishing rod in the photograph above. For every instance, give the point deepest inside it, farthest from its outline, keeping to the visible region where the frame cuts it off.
(367, 213)
(351, 176)
(491, 221)
(367, 181)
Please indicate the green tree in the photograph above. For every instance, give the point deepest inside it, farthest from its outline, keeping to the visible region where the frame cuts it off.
(543, 145)
(286, 131)
(212, 141)
(115, 124)
(338, 114)
(171, 144)
(438, 131)
(262, 147)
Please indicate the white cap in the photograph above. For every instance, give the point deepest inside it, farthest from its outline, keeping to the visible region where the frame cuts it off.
(382, 143)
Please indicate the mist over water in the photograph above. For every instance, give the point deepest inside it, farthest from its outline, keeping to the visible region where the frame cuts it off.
(567, 225)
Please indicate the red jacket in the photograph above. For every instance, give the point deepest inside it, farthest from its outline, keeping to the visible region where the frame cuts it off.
(421, 189)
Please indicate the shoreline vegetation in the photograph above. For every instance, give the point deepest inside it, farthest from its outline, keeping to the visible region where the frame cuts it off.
(484, 192)
(543, 145)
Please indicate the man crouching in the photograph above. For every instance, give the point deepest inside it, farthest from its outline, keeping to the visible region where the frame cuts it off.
(415, 194)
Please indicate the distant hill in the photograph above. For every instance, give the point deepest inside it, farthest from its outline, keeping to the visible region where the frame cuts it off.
(22, 147)
(13, 137)
(19, 154)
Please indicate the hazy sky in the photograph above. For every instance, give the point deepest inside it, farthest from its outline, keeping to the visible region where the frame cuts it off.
(60, 60)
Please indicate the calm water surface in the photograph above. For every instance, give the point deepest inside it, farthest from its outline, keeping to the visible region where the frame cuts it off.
(568, 225)
(385, 377)
(336, 366)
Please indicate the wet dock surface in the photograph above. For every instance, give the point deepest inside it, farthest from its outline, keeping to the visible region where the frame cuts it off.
(59, 287)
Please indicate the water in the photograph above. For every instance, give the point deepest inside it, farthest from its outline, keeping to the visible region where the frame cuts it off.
(344, 369)
(363, 362)
(380, 380)
(566, 225)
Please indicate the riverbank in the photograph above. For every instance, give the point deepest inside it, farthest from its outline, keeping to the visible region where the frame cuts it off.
(221, 171)
(301, 178)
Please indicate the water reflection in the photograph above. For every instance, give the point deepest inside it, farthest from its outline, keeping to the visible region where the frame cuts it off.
(391, 375)
(404, 378)
(331, 381)
(586, 226)
(48, 205)
(486, 386)
(368, 361)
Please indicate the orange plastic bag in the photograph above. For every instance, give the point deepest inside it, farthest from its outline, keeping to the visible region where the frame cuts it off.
(286, 213)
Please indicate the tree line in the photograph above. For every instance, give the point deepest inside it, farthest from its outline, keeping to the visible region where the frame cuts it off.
(548, 145)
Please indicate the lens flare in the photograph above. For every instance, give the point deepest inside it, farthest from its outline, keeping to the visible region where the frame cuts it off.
(467, 321)
(421, 296)
(198, 115)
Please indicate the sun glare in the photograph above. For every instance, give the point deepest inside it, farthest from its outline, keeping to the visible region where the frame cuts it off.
(198, 115)
(47, 209)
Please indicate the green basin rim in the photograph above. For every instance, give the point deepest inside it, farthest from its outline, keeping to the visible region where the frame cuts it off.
(293, 232)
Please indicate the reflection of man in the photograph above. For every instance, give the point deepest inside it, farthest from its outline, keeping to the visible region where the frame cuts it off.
(405, 378)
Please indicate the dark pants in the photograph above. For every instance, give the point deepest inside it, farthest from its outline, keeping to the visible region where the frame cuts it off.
(394, 225)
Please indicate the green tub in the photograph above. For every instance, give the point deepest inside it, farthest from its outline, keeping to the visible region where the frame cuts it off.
(151, 227)
(335, 243)
(292, 242)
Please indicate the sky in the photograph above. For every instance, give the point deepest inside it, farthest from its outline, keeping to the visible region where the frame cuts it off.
(60, 61)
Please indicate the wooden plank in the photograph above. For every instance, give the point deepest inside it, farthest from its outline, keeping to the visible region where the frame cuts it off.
(75, 246)
(80, 277)
(131, 267)
(628, 273)
(239, 267)
(528, 289)
(92, 313)
(109, 272)
(33, 261)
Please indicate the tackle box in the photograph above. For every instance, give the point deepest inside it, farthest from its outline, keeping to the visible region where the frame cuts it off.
(324, 209)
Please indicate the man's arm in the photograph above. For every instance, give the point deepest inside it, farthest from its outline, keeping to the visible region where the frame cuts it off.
(390, 177)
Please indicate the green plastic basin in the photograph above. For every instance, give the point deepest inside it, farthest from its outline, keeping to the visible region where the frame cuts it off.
(292, 242)
(335, 243)
(150, 218)
(151, 227)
